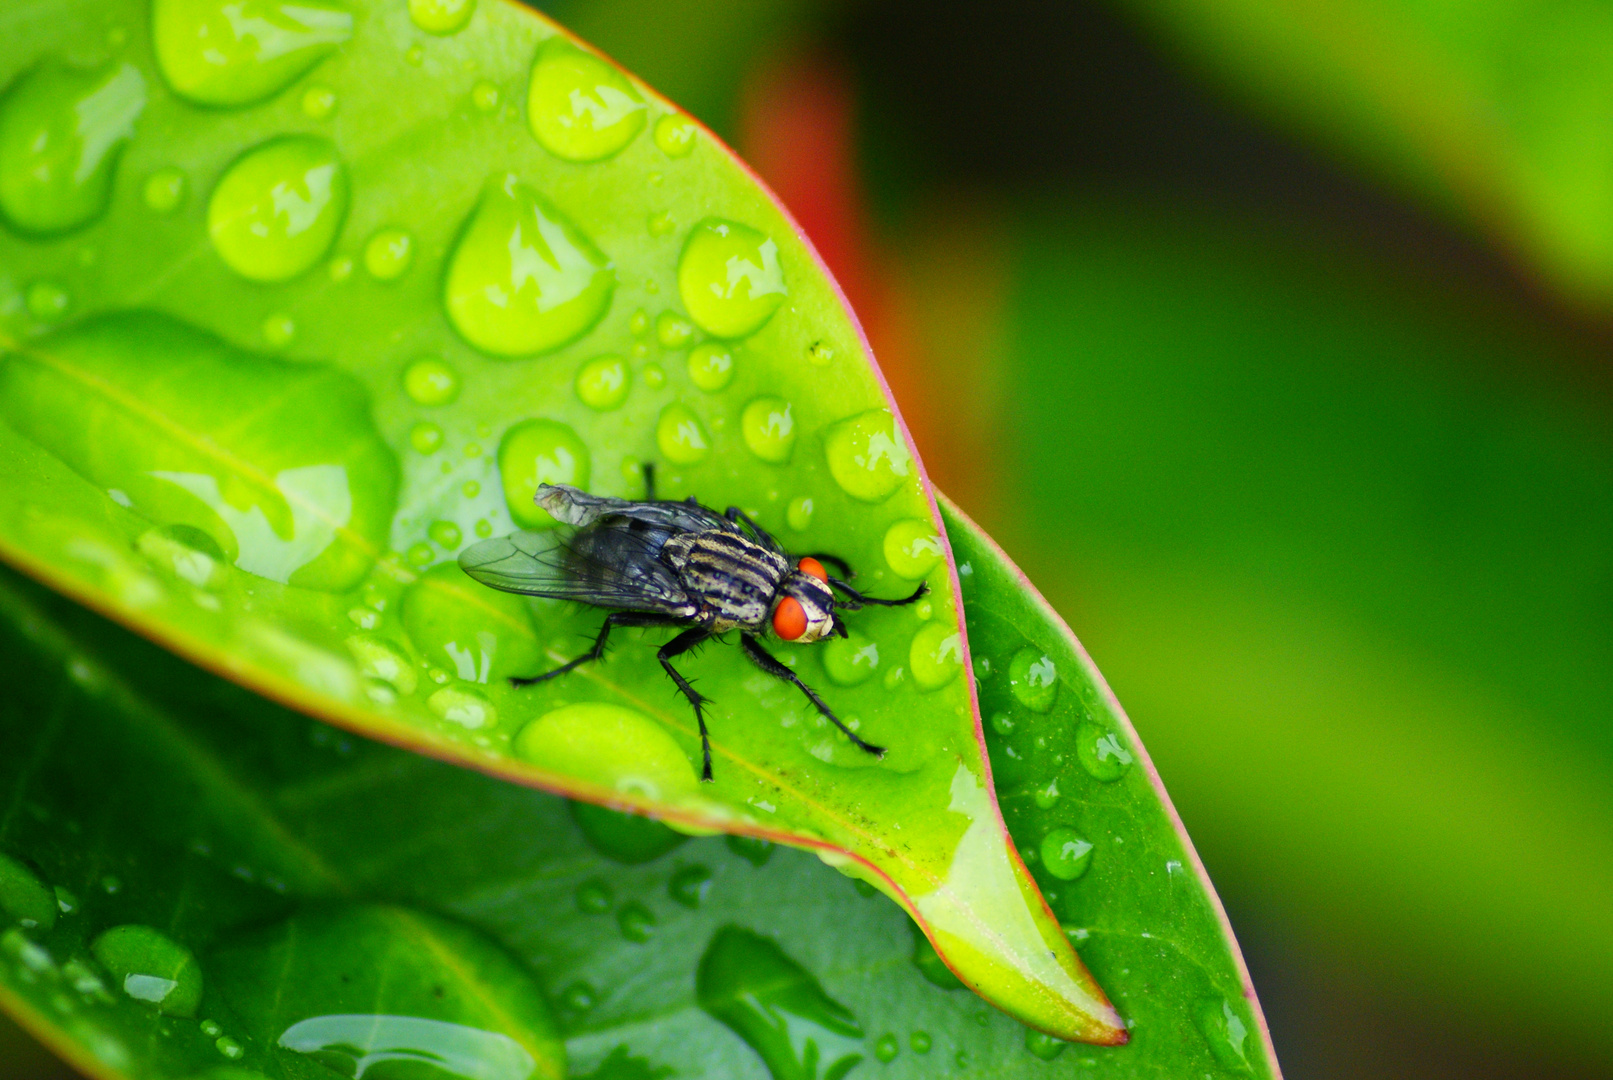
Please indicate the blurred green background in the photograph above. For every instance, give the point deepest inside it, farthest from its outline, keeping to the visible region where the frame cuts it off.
(1273, 340)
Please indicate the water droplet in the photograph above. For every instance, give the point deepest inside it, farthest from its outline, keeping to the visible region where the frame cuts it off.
(1100, 752)
(639, 324)
(61, 132)
(711, 366)
(441, 16)
(602, 382)
(1065, 855)
(1043, 1045)
(929, 963)
(654, 375)
(473, 450)
(425, 437)
(729, 278)
(222, 52)
(618, 748)
(1034, 679)
(850, 660)
(24, 897)
(579, 997)
(212, 1029)
(478, 633)
(681, 436)
(894, 677)
(983, 668)
(580, 107)
(626, 838)
(389, 254)
(278, 330)
(463, 706)
(1047, 797)
(749, 984)
(798, 515)
(318, 102)
(484, 528)
(536, 452)
(523, 279)
(445, 534)
(186, 552)
(593, 897)
(753, 849)
(151, 967)
(414, 55)
(471, 489)
(912, 548)
(662, 224)
(675, 134)
(935, 655)
(769, 429)
(111, 884)
(230, 1048)
(636, 922)
(885, 1048)
(1002, 723)
(867, 456)
(378, 658)
(66, 901)
(673, 331)
(1226, 1033)
(341, 268)
(48, 301)
(430, 381)
(278, 209)
(690, 885)
(164, 190)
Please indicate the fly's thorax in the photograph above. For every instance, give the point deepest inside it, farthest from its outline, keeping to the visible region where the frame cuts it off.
(734, 578)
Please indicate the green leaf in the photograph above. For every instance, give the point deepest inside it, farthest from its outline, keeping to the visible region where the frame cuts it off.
(318, 877)
(331, 293)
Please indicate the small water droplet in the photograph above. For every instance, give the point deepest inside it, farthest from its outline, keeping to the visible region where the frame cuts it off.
(1034, 679)
(420, 554)
(1225, 1032)
(662, 224)
(729, 278)
(389, 254)
(580, 107)
(681, 436)
(1002, 723)
(341, 268)
(523, 279)
(935, 655)
(885, 1048)
(593, 897)
(768, 429)
(602, 382)
(484, 528)
(66, 901)
(364, 618)
(673, 331)
(164, 190)
(378, 658)
(850, 660)
(441, 16)
(111, 884)
(430, 381)
(184, 551)
(24, 897)
(867, 456)
(415, 55)
(920, 1042)
(654, 375)
(214, 53)
(279, 329)
(472, 450)
(278, 208)
(318, 102)
(463, 706)
(1065, 854)
(894, 678)
(690, 885)
(485, 96)
(636, 922)
(798, 515)
(624, 838)
(753, 849)
(212, 1029)
(477, 633)
(912, 548)
(230, 1048)
(48, 301)
(929, 963)
(536, 452)
(675, 134)
(711, 366)
(445, 534)
(1043, 1045)
(425, 437)
(1100, 752)
(151, 967)
(579, 997)
(1048, 795)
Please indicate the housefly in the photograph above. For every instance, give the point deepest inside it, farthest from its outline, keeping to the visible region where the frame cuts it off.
(665, 563)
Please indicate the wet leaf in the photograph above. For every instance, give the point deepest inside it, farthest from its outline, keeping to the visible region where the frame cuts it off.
(291, 318)
(334, 891)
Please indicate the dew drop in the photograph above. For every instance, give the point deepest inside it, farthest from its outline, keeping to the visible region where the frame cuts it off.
(662, 224)
(66, 900)
(912, 548)
(729, 278)
(798, 515)
(425, 437)
(536, 452)
(445, 534)
(471, 489)
(48, 301)
(1225, 1032)
(1002, 723)
(654, 376)
(690, 885)
(23, 897)
(441, 16)
(223, 52)
(414, 55)
(621, 749)
(681, 436)
(769, 429)
(389, 254)
(278, 209)
(885, 1048)
(673, 331)
(341, 268)
(318, 102)
(184, 551)
(850, 660)
(579, 106)
(378, 658)
(674, 134)
(475, 632)
(593, 897)
(212, 1029)
(624, 838)
(602, 382)
(935, 655)
(62, 130)
(151, 967)
(1047, 797)
(463, 706)
(711, 366)
(920, 1042)
(636, 922)
(1100, 752)
(753, 849)
(1043, 1045)
(579, 997)
(523, 279)
(1034, 679)
(430, 381)
(164, 190)
(230, 1048)
(639, 324)
(1065, 854)
(867, 456)
(485, 96)
(484, 528)
(894, 677)
(278, 330)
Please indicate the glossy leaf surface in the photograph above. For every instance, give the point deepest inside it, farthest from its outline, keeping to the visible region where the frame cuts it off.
(357, 280)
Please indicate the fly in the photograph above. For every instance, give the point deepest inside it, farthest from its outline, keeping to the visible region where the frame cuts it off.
(664, 563)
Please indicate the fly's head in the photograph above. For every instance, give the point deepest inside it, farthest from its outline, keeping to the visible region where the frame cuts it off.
(805, 608)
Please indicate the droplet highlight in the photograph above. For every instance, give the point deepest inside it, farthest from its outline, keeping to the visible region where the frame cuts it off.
(1043, 1045)
(711, 366)
(1065, 854)
(1100, 752)
(581, 108)
(277, 210)
(729, 278)
(1034, 679)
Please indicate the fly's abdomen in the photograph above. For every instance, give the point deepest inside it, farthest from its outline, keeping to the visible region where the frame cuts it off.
(730, 575)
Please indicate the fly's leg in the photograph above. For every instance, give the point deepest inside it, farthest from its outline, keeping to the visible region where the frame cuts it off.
(649, 481)
(770, 664)
(855, 599)
(739, 517)
(841, 565)
(615, 618)
(682, 644)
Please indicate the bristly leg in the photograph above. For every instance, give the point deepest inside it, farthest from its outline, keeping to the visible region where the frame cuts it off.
(770, 664)
(855, 599)
(685, 641)
(649, 481)
(615, 618)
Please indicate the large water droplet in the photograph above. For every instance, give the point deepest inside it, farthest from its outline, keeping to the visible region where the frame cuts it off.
(602, 382)
(463, 706)
(280, 464)
(151, 967)
(850, 660)
(748, 983)
(690, 885)
(235, 52)
(61, 131)
(23, 897)
(912, 548)
(753, 849)
(626, 838)
(523, 279)
(378, 658)
(711, 366)
(277, 210)
(580, 107)
(935, 655)
(769, 429)
(1065, 854)
(729, 278)
(429, 381)
(1034, 679)
(867, 456)
(1225, 1031)
(681, 436)
(536, 452)
(1100, 752)
(441, 16)
(475, 632)
(389, 992)
(620, 749)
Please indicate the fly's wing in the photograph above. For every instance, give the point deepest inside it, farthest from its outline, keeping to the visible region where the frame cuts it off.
(575, 507)
(599, 565)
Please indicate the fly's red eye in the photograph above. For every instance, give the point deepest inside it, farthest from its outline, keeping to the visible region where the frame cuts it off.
(813, 567)
(789, 619)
